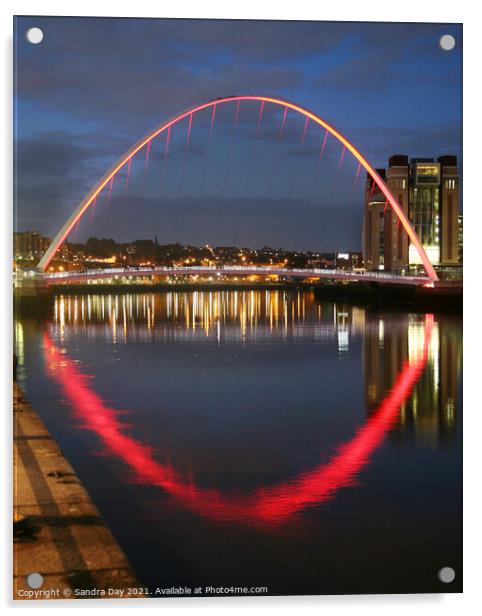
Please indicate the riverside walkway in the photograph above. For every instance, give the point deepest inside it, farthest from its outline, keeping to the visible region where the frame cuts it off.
(58, 531)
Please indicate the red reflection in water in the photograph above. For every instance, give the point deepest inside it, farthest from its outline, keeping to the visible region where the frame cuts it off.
(266, 506)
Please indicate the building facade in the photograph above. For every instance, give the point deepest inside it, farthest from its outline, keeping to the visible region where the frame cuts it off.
(29, 245)
(428, 193)
(374, 225)
(461, 239)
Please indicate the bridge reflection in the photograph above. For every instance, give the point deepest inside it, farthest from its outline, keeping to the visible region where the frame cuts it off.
(403, 364)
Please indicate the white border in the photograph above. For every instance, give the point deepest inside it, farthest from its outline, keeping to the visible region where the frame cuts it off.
(352, 10)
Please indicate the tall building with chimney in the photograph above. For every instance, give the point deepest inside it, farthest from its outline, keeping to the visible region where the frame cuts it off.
(428, 193)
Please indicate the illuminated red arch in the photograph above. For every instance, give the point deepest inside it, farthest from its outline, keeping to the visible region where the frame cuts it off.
(125, 158)
(267, 505)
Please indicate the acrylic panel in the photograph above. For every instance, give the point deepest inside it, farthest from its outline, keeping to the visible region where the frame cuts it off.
(237, 290)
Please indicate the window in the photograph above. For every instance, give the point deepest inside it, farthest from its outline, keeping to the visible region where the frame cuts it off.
(427, 175)
(427, 170)
(449, 227)
(399, 242)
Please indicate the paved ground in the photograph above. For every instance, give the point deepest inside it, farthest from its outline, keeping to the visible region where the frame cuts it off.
(58, 532)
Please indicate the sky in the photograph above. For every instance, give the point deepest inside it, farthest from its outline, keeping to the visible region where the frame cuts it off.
(94, 86)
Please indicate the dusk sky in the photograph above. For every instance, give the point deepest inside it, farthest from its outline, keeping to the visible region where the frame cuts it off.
(95, 86)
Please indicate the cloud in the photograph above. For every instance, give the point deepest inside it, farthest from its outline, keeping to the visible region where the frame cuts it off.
(384, 55)
(366, 74)
(113, 94)
(434, 140)
(54, 170)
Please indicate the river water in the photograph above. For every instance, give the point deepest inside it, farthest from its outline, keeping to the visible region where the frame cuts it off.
(259, 439)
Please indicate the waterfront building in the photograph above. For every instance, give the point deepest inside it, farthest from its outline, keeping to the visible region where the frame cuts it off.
(428, 193)
(461, 239)
(348, 260)
(374, 225)
(29, 245)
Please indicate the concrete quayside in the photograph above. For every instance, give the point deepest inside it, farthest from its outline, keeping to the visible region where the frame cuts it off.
(62, 548)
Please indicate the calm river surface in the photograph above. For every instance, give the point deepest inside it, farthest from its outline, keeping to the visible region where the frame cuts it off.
(259, 438)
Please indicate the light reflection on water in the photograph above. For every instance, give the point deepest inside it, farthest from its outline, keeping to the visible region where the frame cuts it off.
(211, 314)
(254, 409)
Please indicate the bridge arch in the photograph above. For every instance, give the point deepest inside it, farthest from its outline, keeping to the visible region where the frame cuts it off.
(89, 199)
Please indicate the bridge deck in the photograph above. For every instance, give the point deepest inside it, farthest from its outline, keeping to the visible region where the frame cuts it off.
(234, 270)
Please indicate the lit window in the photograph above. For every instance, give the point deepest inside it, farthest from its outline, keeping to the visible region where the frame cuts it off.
(427, 170)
